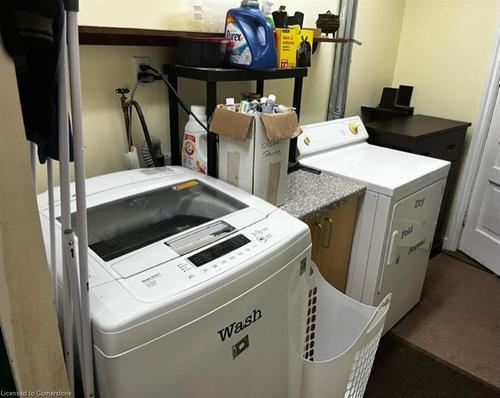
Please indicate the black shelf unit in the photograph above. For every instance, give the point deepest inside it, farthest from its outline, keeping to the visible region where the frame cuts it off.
(211, 76)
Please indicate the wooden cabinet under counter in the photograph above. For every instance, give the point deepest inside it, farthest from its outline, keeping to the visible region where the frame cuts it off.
(329, 205)
(332, 234)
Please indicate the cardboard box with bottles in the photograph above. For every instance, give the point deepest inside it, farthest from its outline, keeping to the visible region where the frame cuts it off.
(253, 150)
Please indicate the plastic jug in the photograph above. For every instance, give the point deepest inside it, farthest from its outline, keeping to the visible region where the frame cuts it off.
(194, 145)
(251, 37)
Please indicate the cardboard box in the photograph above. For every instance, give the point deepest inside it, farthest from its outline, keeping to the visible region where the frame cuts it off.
(253, 150)
(294, 47)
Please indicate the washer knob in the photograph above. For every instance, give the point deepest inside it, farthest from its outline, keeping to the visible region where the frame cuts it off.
(354, 127)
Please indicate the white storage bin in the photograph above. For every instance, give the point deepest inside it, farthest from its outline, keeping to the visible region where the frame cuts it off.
(339, 342)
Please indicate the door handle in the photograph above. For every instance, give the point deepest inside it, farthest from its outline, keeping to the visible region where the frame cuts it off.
(320, 236)
(390, 255)
(330, 228)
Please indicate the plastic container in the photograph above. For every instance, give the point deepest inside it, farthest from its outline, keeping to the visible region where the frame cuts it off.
(211, 14)
(209, 52)
(194, 145)
(251, 37)
(338, 345)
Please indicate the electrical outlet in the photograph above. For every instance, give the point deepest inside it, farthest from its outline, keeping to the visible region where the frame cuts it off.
(137, 61)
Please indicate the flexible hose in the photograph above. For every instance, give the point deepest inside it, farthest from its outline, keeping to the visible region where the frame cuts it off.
(145, 130)
(132, 95)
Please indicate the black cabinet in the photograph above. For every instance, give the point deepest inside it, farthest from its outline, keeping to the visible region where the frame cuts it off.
(429, 136)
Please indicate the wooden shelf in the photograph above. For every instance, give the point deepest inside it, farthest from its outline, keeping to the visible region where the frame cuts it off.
(324, 39)
(106, 35)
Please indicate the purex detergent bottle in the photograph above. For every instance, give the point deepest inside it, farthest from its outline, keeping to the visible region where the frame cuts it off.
(251, 37)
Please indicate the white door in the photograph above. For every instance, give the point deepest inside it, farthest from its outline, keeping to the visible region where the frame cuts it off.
(481, 234)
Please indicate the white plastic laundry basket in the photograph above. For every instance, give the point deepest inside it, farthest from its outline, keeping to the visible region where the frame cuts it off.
(340, 341)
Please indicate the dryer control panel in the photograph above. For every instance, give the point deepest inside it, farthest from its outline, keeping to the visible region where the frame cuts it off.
(243, 249)
(332, 134)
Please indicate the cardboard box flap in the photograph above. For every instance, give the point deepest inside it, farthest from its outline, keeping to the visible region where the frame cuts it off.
(230, 123)
(281, 126)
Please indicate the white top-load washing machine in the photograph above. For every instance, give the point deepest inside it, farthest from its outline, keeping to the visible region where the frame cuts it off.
(397, 216)
(192, 286)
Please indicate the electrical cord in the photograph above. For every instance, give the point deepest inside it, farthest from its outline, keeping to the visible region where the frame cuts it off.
(184, 106)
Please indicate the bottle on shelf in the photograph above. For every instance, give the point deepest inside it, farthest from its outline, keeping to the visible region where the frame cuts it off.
(251, 37)
(194, 145)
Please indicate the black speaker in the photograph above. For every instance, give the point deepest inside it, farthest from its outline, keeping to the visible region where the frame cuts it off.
(389, 97)
(404, 95)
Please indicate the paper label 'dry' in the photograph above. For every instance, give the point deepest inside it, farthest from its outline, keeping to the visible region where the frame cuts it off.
(239, 50)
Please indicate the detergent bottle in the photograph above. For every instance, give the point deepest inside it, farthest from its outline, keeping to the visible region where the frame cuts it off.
(251, 37)
(194, 145)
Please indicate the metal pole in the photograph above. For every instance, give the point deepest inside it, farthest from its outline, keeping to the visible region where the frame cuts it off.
(52, 229)
(81, 202)
(342, 60)
(69, 243)
(64, 159)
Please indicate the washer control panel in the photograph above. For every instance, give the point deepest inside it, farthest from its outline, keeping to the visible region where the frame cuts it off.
(185, 272)
(219, 250)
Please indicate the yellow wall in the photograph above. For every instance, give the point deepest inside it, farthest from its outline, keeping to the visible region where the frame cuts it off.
(378, 27)
(106, 68)
(444, 51)
(103, 69)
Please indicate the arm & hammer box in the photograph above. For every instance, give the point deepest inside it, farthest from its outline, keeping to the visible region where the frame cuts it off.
(253, 150)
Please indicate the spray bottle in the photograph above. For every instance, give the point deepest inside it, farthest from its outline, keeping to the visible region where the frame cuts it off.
(267, 10)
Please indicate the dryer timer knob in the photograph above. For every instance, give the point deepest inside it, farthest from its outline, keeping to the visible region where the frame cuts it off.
(354, 127)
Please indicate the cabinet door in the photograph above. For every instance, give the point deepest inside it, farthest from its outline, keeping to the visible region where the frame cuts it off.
(332, 235)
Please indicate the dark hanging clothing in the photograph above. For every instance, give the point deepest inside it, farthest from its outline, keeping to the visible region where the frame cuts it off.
(31, 32)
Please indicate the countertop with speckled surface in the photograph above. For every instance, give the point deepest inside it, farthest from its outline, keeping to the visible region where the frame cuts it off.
(309, 194)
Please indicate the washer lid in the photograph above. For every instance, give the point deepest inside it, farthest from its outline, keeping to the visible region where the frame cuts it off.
(125, 225)
(381, 169)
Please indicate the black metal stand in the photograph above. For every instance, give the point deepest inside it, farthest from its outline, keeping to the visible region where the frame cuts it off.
(213, 75)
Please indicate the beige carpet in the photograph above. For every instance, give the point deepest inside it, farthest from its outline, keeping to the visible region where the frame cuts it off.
(458, 318)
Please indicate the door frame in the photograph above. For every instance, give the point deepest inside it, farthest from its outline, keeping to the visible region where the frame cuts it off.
(474, 155)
